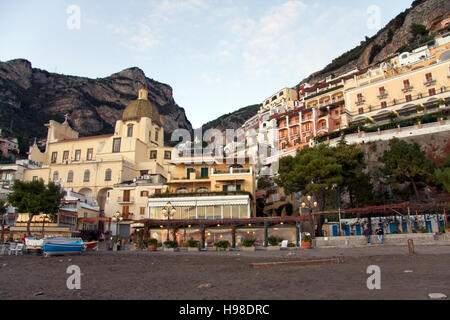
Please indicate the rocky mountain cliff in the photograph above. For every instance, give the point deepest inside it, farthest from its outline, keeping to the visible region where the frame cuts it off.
(31, 97)
(232, 120)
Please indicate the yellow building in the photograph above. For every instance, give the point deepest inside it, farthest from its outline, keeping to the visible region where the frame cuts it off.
(92, 166)
(285, 97)
(208, 189)
(375, 96)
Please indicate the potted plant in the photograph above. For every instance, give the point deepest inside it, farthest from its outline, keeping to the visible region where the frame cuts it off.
(222, 245)
(274, 243)
(248, 244)
(422, 230)
(170, 246)
(152, 244)
(306, 240)
(193, 245)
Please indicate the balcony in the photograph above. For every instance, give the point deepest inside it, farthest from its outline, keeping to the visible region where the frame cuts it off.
(125, 199)
(430, 82)
(382, 95)
(307, 120)
(360, 102)
(407, 89)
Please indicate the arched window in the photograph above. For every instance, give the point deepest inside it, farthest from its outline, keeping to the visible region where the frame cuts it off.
(108, 175)
(202, 190)
(55, 176)
(70, 176)
(182, 190)
(87, 176)
(130, 130)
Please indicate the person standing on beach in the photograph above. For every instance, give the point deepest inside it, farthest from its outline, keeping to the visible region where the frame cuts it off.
(367, 234)
(380, 234)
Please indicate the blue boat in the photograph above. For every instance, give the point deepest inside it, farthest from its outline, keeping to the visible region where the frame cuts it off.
(61, 245)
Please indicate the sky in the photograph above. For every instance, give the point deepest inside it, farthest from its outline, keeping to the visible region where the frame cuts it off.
(217, 55)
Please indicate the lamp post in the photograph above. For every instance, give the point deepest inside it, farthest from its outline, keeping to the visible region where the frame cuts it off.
(168, 211)
(117, 218)
(310, 204)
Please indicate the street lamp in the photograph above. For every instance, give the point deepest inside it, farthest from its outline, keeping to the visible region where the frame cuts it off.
(168, 211)
(117, 218)
(310, 204)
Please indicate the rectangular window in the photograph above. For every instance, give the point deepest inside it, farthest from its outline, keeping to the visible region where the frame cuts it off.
(156, 135)
(381, 91)
(406, 84)
(116, 145)
(232, 187)
(408, 98)
(90, 153)
(54, 157)
(204, 172)
(359, 97)
(142, 211)
(144, 193)
(432, 92)
(130, 131)
(361, 110)
(35, 178)
(66, 155)
(383, 104)
(77, 155)
(157, 191)
(429, 77)
(189, 171)
(153, 154)
(167, 155)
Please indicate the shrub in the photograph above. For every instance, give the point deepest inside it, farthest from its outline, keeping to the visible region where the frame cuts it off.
(191, 243)
(274, 240)
(306, 237)
(171, 244)
(223, 245)
(248, 242)
(152, 242)
(291, 245)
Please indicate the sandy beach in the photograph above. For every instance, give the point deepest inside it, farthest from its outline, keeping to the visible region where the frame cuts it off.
(213, 275)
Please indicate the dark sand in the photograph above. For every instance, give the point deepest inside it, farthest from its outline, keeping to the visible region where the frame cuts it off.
(227, 275)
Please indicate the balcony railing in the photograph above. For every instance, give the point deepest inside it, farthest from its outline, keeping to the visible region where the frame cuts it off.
(407, 89)
(360, 102)
(125, 199)
(430, 82)
(382, 95)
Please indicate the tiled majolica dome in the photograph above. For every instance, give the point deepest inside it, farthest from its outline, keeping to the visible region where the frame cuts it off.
(141, 108)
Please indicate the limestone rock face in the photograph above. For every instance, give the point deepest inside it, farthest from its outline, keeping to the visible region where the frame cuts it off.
(30, 97)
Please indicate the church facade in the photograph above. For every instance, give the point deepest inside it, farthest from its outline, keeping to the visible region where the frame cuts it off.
(94, 165)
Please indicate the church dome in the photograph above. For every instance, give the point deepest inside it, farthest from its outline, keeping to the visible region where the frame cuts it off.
(141, 108)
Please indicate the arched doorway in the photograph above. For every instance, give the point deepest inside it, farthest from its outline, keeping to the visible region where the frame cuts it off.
(87, 192)
(101, 198)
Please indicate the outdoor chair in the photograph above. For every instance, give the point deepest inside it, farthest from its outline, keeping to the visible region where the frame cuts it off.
(3, 250)
(12, 247)
(18, 248)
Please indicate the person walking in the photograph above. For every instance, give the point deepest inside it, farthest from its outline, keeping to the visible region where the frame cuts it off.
(367, 234)
(380, 234)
